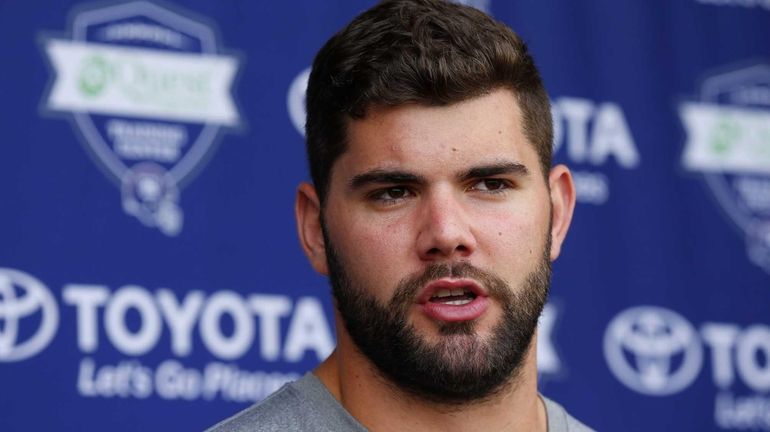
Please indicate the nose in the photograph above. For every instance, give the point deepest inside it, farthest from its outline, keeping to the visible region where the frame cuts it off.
(445, 228)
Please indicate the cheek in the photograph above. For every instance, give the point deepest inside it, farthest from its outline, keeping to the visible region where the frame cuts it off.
(374, 250)
(512, 238)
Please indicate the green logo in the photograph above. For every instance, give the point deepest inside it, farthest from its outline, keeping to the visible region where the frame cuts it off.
(94, 75)
(724, 135)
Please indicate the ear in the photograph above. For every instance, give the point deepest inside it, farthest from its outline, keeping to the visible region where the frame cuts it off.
(307, 210)
(562, 206)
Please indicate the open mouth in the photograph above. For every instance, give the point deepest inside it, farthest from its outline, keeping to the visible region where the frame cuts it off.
(454, 297)
(453, 300)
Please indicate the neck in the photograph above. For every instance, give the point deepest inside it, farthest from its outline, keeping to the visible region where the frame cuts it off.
(380, 406)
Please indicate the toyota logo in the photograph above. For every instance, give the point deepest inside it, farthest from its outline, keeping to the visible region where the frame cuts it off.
(652, 350)
(24, 301)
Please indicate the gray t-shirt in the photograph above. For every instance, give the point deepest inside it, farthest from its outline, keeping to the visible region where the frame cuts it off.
(306, 405)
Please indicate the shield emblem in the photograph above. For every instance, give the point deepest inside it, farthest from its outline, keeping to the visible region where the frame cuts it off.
(149, 92)
(728, 142)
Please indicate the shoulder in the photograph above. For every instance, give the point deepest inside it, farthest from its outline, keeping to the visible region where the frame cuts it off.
(274, 413)
(304, 405)
(559, 419)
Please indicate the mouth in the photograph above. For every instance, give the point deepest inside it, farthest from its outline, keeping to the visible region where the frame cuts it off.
(454, 297)
(453, 300)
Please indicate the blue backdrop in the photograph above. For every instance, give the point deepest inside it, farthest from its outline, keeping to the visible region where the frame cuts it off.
(150, 276)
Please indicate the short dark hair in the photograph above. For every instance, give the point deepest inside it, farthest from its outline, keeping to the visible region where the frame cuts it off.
(429, 52)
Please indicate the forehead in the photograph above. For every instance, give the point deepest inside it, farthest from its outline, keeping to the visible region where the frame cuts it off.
(483, 129)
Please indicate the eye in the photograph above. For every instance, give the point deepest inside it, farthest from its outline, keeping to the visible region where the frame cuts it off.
(391, 194)
(491, 185)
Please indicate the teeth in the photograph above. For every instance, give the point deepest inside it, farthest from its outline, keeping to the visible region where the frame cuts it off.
(458, 302)
(466, 296)
(444, 293)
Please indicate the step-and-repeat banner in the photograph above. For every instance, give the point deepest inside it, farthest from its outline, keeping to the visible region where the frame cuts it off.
(150, 274)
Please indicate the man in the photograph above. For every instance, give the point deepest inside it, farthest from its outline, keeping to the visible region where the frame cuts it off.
(435, 213)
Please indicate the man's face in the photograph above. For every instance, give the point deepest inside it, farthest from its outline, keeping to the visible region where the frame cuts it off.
(436, 231)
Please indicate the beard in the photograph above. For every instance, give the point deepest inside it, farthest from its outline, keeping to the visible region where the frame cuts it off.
(462, 367)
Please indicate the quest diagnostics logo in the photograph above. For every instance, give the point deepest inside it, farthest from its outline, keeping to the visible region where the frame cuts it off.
(652, 350)
(149, 92)
(728, 143)
(29, 316)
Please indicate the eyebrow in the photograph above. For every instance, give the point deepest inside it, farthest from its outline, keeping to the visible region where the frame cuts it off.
(381, 176)
(494, 169)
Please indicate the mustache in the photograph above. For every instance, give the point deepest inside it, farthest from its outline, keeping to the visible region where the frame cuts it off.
(408, 288)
